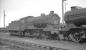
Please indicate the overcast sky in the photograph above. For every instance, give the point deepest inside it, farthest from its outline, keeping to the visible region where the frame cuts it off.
(16, 9)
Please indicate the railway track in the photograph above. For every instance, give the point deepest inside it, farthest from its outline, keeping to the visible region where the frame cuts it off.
(35, 44)
(25, 45)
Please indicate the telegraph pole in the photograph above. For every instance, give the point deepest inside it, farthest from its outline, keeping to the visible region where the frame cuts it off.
(4, 17)
(63, 22)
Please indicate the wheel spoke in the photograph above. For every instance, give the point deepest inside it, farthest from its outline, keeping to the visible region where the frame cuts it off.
(77, 36)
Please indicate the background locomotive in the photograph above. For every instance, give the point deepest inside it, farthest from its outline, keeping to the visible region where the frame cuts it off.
(37, 27)
(49, 26)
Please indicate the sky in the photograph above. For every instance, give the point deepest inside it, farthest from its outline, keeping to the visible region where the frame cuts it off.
(16, 9)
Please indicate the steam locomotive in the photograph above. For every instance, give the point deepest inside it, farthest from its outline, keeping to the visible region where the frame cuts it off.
(35, 27)
(49, 26)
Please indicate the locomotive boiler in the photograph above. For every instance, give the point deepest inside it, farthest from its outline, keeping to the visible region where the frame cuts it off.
(75, 23)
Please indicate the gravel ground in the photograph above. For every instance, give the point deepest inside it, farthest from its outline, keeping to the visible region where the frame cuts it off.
(59, 44)
(5, 48)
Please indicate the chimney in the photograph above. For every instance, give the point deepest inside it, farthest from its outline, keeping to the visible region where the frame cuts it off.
(74, 8)
(51, 13)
